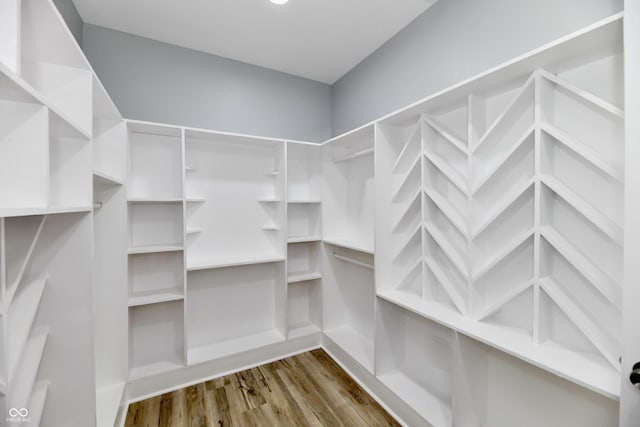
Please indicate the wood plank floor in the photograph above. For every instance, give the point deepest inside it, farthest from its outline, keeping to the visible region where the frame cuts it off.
(309, 389)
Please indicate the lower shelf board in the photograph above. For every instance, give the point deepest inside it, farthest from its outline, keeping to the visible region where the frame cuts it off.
(594, 374)
(423, 402)
(153, 369)
(108, 400)
(354, 343)
(302, 330)
(217, 350)
(154, 298)
(350, 244)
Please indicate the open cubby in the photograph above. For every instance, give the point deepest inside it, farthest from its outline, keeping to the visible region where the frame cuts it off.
(348, 201)
(155, 226)
(235, 309)
(24, 154)
(414, 358)
(70, 166)
(156, 277)
(156, 338)
(304, 173)
(304, 309)
(348, 295)
(155, 162)
(303, 261)
(304, 222)
(241, 208)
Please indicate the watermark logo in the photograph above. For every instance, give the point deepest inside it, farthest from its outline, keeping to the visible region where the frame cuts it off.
(19, 415)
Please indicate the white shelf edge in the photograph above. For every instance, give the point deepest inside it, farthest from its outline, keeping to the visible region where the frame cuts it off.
(155, 298)
(46, 210)
(303, 277)
(347, 244)
(497, 303)
(412, 200)
(232, 262)
(304, 239)
(106, 179)
(143, 200)
(449, 251)
(138, 250)
(304, 201)
(445, 207)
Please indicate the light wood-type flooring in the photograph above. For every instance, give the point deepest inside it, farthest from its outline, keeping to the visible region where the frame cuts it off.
(308, 389)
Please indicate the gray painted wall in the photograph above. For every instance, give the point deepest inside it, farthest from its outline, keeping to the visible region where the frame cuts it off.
(150, 80)
(71, 16)
(451, 41)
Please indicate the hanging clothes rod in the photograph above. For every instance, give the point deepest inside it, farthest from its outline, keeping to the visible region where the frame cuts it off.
(352, 261)
(353, 155)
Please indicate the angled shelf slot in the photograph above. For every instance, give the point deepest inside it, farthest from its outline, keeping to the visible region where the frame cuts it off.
(447, 132)
(583, 151)
(408, 183)
(605, 284)
(409, 214)
(495, 303)
(513, 244)
(411, 282)
(449, 211)
(520, 149)
(436, 181)
(447, 248)
(412, 240)
(515, 314)
(108, 400)
(448, 171)
(604, 223)
(582, 94)
(503, 206)
(410, 150)
(19, 250)
(105, 179)
(452, 290)
(517, 117)
(607, 345)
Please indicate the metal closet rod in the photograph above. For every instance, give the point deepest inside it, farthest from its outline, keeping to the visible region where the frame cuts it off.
(352, 261)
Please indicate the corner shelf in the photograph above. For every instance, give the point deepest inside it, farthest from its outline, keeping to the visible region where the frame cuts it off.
(213, 263)
(303, 277)
(347, 244)
(136, 250)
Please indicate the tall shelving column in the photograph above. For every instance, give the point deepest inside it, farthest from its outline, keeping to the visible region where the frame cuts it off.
(304, 231)
(156, 249)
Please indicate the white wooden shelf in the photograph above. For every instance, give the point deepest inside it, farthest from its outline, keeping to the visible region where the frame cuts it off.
(304, 239)
(149, 249)
(450, 134)
(301, 201)
(51, 210)
(104, 178)
(303, 277)
(154, 298)
(212, 263)
(36, 404)
(603, 379)
(233, 346)
(154, 200)
(347, 244)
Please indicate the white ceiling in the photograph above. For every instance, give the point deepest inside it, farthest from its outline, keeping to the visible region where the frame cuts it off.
(317, 39)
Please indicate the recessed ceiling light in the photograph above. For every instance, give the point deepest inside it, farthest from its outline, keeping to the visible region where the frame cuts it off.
(279, 1)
